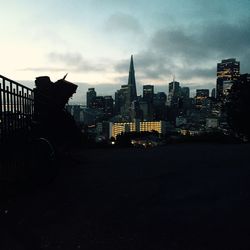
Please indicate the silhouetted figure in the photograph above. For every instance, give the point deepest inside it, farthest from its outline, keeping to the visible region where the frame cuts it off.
(53, 121)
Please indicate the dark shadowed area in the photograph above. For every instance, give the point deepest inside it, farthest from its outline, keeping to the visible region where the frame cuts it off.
(185, 196)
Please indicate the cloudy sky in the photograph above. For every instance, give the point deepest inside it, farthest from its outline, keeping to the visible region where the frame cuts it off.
(92, 40)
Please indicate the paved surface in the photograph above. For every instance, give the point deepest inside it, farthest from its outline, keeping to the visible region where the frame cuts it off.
(174, 197)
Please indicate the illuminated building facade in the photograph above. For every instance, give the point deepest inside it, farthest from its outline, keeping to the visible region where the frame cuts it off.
(201, 97)
(137, 126)
(228, 72)
(122, 127)
(158, 126)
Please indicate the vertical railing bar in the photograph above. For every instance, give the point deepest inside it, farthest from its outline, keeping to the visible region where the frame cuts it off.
(15, 113)
(11, 108)
(23, 109)
(18, 107)
(1, 114)
(8, 110)
(4, 109)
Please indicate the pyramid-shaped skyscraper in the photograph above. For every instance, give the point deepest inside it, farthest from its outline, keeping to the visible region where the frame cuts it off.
(131, 82)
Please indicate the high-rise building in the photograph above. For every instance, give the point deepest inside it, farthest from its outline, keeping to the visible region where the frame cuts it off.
(108, 106)
(184, 103)
(202, 93)
(146, 104)
(160, 99)
(228, 71)
(244, 78)
(213, 93)
(201, 97)
(120, 99)
(148, 93)
(91, 95)
(127, 95)
(174, 91)
(98, 103)
(185, 93)
(174, 87)
(132, 94)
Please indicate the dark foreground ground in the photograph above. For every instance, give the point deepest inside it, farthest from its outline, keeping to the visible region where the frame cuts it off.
(173, 197)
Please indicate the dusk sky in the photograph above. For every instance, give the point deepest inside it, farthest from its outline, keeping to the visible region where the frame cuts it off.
(92, 40)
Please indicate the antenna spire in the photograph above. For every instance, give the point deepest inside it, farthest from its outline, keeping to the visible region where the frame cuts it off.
(65, 76)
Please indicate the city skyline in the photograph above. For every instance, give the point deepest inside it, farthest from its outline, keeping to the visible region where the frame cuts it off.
(92, 40)
(77, 99)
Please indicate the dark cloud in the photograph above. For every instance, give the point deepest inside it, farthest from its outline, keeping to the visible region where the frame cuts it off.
(205, 41)
(192, 53)
(204, 73)
(148, 66)
(121, 22)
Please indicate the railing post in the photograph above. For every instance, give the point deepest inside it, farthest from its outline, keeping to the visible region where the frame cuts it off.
(1, 114)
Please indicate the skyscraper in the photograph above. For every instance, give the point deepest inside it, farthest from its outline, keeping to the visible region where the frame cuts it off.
(109, 105)
(91, 95)
(127, 94)
(174, 87)
(228, 71)
(185, 93)
(174, 91)
(201, 97)
(213, 93)
(131, 82)
(148, 93)
(120, 99)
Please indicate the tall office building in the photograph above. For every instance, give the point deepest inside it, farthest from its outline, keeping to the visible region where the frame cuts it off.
(202, 93)
(121, 97)
(213, 93)
(148, 93)
(160, 111)
(108, 106)
(184, 103)
(174, 91)
(201, 97)
(91, 95)
(127, 96)
(185, 93)
(98, 103)
(244, 79)
(174, 87)
(132, 94)
(228, 71)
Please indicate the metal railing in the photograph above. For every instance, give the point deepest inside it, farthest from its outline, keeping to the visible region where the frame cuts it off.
(16, 107)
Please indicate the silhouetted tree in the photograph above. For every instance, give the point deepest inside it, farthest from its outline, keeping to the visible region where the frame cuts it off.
(238, 106)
